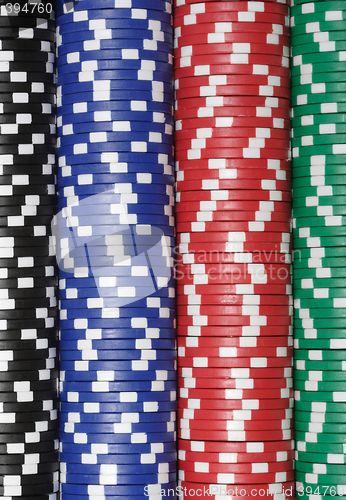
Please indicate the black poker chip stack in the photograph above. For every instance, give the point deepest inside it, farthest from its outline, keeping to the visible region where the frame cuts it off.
(28, 306)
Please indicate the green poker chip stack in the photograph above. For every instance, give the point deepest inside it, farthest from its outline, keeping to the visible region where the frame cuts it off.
(318, 37)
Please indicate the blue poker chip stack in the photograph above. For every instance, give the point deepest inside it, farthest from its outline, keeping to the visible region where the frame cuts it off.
(28, 306)
(114, 238)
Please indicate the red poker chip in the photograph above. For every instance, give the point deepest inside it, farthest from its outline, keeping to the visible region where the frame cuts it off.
(189, 490)
(233, 195)
(220, 236)
(248, 247)
(235, 163)
(250, 478)
(235, 226)
(231, 132)
(220, 206)
(243, 268)
(231, 352)
(232, 90)
(227, 373)
(260, 59)
(232, 48)
(204, 383)
(234, 216)
(237, 468)
(202, 112)
(231, 310)
(237, 27)
(187, 123)
(256, 289)
(251, 415)
(236, 6)
(224, 404)
(254, 362)
(230, 37)
(195, 299)
(208, 153)
(226, 435)
(231, 142)
(233, 16)
(237, 458)
(242, 331)
(234, 184)
(202, 257)
(258, 447)
(195, 320)
(212, 69)
(232, 101)
(234, 342)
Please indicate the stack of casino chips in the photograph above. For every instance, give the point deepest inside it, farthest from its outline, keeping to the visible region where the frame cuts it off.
(28, 312)
(115, 235)
(319, 146)
(233, 236)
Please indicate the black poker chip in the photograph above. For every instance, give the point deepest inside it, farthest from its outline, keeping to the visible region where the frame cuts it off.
(31, 98)
(21, 437)
(34, 272)
(34, 33)
(34, 479)
(50, 425)
(47, 78)
(42, 447)
(27, 365)
(16, 210)
(40, 356)
(30, 128)
(35, 396)
(25, 293)
(28, 492)
(28, 20)
(25, 199)
(28, 119)
(48, 465)
(30, 375)
(39, 385)
(50, 457)
(28, 45)
(19, 55)
(47, 87)
(22, 345)
(44, 108)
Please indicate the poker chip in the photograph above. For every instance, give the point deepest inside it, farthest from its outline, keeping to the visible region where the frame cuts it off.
(115, 153)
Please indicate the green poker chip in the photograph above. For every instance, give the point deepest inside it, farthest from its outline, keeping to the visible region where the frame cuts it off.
(317, 242)
(310, 293)
(322, 334)
(330, 469)
(317, 6)
(313, 344)
(322, 479)
(318, 231)
(322, 160)
(317, 68)
(321, 323)
(318, 48)
(317, 38)
(316, 130)
(304, 364)
(314, 385)
(326, 376)
(318, 458)
(321, 408)
(331, 438)
(323, 355)
(317, 273)
(312, 491)
(326, 396)
(315, 263)
(319, 221)
(316, 109)
(322, 201)
(314, 17)
(330, 253)
(318, 427)
(315, 79)
(317, 140)
(319, 211)
(315, 120)
(319, 149)
(331, 418)
(315, 27)
(302, 99)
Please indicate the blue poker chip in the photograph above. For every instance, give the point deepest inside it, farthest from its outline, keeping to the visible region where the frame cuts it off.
(113, 64)
(117, 95)
(120, 344)
(133, 448)
(115, 24)
(138, 386)
(123, 312)
(133, 458)
(111, 116)
(61, 8)
(115, 219)
(67, 47)
(121, 365)
(148, 190)
(149, 437)
(117, 417)
(118, 13)
(121, 74)
(111, 147)
(115, 54)
(105, 197)
(116, 85)
(119, 479)
(122, 469)
(109, 428)
(67, 496)
(114, 323)
(127, 128)
(118, 34)
(104, 355)
(77, 282)
(108, 209)
(131, 333)
(128, 491)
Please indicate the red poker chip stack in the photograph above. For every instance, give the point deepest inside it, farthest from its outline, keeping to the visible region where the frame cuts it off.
(234, 242)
